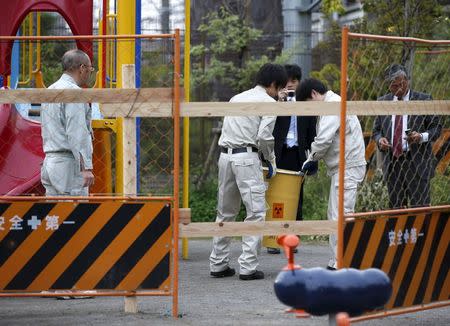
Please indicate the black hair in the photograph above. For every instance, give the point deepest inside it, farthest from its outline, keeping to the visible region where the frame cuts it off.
(271, 73)
(306, 87)
(293, 72)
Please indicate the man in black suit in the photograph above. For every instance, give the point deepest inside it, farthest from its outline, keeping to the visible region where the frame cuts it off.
(293, 135)
(406, 144)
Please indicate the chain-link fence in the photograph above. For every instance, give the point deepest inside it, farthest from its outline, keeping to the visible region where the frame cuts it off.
(408, 152)
(67, 132)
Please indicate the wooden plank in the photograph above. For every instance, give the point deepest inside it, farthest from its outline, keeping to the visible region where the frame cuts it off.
(87, 95)
(219, 109)
(311, 108)
(129, 157)
(184, 216)
(157, 102)
(205, 229)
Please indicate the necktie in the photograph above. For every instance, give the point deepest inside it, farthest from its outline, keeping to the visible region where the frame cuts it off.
(398, 131)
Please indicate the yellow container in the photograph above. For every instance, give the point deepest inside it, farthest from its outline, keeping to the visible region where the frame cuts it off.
(282, 197)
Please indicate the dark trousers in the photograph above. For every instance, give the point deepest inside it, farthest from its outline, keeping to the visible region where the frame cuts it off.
(406, 183)
(290, 160)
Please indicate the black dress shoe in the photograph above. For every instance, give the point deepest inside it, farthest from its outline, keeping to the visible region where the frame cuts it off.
(225, 273)
(331, 268)
(273, 251)
(257, 275)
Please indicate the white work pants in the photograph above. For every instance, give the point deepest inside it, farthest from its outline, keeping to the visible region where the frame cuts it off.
(353, 177)
(240, 177)
(61, 176)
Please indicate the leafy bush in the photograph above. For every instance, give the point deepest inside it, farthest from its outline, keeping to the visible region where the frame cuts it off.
(440, 188)
(373, 194)
(315, 195)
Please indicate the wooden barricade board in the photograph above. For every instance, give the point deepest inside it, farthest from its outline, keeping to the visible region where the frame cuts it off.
(412, 249)
(89, 245)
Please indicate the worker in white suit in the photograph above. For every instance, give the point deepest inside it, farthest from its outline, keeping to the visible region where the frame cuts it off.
(326, 147)
(240, 173)
(67, 134)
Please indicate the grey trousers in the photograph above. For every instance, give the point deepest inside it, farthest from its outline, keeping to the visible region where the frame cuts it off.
(353, 177)
(240, 177)
(61, 176)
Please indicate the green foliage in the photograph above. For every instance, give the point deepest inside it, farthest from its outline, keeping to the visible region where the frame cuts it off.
(153, 72)
(330, 75)
(203, 203)
(416, 18)
(331, 6)
(440, 189)
(372, 195)
(225, 57)
(315, 195)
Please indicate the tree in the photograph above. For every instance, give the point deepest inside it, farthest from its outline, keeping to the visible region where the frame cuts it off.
(368, 59)
(224, 56)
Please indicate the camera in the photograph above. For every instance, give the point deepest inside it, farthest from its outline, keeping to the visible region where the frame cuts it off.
(407, 132)
(291, 93)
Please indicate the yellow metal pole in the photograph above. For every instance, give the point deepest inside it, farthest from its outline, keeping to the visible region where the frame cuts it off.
(38, 43)
(187, 70)
(119, 157)
(124, 55)
(126, 14)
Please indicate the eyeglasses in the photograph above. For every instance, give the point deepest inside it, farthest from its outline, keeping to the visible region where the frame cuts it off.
(90, 68)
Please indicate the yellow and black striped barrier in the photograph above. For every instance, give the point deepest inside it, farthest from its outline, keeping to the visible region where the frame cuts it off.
(109, 245)
(412, 249)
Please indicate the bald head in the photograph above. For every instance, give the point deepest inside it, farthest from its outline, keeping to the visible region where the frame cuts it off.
(73, 59)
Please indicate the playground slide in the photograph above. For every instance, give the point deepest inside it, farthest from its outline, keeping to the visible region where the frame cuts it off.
(21, 153)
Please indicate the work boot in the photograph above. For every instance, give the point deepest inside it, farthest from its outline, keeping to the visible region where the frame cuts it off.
(257, 275)
(273, 251)
(225, 273)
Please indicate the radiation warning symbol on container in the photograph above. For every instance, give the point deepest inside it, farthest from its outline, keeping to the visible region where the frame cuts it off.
(278, 210)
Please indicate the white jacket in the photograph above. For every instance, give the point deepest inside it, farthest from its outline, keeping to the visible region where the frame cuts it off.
(254, 131)
(326, 143)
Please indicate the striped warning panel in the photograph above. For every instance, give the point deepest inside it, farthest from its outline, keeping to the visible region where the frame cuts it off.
(107, 245)
(412, 249)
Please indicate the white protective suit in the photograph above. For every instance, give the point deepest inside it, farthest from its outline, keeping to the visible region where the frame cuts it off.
(67, 139)
(326, 147)
(241, 177)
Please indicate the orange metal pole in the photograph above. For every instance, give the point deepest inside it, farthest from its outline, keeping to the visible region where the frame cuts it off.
(84, 37)
(176, 167)
(95, 294)
(401, 311)
(341, 221)
(76, 198)
(396, 38)
(399, 211)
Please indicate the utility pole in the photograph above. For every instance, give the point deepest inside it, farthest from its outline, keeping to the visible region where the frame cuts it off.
(165, 16)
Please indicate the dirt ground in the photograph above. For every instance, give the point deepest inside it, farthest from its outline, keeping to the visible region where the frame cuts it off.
(203, 300)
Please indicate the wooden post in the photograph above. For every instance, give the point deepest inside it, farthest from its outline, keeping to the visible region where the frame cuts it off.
(129, 160)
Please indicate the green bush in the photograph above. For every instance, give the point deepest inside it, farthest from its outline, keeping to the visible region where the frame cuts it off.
(440, 188)
(372, 195)
(315, 195)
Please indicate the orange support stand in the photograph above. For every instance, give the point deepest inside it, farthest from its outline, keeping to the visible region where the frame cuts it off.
(289, 243)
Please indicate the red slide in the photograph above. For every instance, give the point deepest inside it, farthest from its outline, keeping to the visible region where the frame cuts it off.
(21, 153)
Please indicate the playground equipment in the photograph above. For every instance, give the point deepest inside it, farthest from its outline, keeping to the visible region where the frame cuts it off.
(22, 153)
(319, 291)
